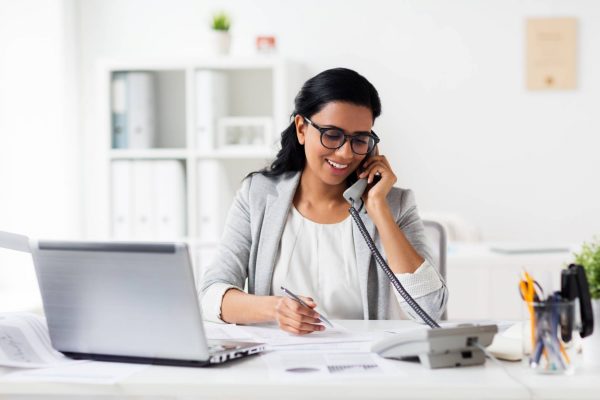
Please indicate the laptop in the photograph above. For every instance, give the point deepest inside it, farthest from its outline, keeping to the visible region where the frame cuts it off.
(126, 302)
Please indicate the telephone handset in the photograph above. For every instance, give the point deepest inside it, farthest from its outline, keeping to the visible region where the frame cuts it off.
(353, 195)
(462, 347)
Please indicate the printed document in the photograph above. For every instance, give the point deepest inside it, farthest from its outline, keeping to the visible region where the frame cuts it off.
(272, 335)
(25, 342)
(293, 365)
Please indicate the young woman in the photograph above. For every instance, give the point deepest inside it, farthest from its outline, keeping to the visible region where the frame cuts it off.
(289, 224)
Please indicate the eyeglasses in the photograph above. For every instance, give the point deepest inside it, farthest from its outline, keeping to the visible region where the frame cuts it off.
(334, 138)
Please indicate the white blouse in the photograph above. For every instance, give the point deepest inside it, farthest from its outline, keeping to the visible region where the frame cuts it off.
(319, 261)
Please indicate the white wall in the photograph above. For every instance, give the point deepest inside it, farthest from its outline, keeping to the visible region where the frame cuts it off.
(40, 191)
(457, 123)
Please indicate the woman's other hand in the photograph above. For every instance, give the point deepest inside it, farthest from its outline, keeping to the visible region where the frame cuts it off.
(295, 318)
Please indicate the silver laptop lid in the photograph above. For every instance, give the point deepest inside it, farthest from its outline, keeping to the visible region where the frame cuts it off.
(129, 299)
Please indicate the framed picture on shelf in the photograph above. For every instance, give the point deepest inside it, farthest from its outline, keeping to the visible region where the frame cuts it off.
(236, 132)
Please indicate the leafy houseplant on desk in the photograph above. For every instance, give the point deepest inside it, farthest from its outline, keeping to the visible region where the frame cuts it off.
(589, 257)
(221, 39)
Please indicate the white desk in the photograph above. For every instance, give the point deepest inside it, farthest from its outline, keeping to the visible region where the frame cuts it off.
(483, 284)
(248, 379)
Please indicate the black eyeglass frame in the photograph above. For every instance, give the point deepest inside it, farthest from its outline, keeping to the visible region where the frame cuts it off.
(371, 135)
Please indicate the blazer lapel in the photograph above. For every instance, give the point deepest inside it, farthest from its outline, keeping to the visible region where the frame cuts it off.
(276, 211)
(363, 264)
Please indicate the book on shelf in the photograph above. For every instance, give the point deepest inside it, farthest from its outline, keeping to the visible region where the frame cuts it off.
(211, 104)
(148, 200)
(133, 110)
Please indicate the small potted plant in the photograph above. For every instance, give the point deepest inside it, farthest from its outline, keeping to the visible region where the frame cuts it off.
(221, 38)
(589, 258)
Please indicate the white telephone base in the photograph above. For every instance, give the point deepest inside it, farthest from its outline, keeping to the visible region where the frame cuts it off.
(439, 348)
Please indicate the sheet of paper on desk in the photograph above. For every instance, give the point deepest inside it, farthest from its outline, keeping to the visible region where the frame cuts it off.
(293, 365)
(25, 342)
(93, 372)
(215, 331)
(274, 336)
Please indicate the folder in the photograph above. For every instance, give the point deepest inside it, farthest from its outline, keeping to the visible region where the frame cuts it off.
(119, 110)
(121, 205)
(211, 104)
(169, 194)
(141, 110)
(211, 181)
(144, 220)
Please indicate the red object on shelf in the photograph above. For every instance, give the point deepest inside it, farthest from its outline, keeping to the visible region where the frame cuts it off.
(266, 44)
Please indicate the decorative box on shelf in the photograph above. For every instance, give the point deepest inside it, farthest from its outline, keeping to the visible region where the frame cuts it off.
(244, 132)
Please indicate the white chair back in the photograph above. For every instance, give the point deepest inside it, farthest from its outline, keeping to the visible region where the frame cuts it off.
(436, 234)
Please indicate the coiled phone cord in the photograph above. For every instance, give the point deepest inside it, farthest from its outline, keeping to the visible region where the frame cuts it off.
(405, 295)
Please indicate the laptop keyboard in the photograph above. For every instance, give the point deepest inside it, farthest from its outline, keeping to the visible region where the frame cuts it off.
(216, 347)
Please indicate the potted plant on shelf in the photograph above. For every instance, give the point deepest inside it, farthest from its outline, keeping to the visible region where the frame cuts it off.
(589, 258)
(220, 31)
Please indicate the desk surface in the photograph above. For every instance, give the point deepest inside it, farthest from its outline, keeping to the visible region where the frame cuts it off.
(249, 379)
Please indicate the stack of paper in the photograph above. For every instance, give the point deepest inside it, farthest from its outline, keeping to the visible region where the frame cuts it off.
(25, 345)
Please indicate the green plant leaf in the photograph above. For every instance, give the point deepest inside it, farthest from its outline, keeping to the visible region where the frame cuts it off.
(589, 257)
(221, 22)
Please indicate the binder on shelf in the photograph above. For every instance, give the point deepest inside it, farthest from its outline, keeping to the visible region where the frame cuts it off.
(144, 221)
(133, 110)
(211, 104)
(169, 192)
(141, 110)
(212, 204)
(119, 110)
(121, 212)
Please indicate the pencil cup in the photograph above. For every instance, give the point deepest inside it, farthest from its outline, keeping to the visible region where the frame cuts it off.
(549, 336)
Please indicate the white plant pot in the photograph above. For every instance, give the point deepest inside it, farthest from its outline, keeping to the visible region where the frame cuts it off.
(591, 344)
(221, 41)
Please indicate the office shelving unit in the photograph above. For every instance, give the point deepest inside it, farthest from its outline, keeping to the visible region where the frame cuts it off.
(258, 90)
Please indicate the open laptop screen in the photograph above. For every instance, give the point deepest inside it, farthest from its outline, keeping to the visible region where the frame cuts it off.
(127, 299)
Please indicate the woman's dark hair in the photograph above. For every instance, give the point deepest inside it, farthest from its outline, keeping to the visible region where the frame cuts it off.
(337, 84)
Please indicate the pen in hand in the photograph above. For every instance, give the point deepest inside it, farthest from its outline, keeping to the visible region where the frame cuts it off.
(299, 300)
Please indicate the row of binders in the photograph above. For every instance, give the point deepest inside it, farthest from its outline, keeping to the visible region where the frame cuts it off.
(135, 114)
(148, 200)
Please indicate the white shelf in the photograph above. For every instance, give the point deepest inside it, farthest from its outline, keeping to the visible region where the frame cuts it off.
(258, 92)
(215, 62)
(237, 152)
(149, 154)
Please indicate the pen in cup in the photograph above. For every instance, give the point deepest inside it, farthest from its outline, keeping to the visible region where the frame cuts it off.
(299, 300)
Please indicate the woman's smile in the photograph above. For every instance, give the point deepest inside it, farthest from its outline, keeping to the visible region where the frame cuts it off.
(337, 168)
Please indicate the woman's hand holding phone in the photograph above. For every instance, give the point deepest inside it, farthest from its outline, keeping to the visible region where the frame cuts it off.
(375, 195)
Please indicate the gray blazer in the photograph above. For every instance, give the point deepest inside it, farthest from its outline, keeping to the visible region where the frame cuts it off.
(254, 228)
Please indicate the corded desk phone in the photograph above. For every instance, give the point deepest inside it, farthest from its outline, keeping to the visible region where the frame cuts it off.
(435, 348)
(439, 348)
